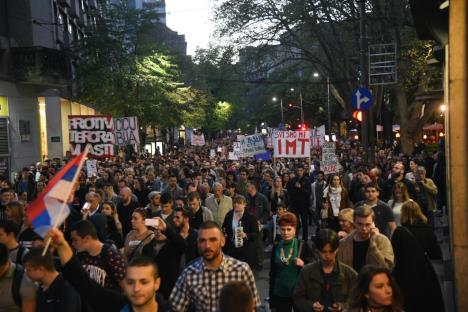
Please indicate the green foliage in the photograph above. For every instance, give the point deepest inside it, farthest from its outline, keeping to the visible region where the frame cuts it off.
(123, 72)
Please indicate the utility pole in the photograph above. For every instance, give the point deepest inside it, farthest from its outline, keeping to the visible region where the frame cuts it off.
(364, 77)
(302, 111)
(282, 113)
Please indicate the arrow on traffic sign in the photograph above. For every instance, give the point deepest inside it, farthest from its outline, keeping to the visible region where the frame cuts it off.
(360, 100)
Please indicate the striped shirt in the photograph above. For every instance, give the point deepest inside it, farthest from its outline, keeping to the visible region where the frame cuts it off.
(199, 286)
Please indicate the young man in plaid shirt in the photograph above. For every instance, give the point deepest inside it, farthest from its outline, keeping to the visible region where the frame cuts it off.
(200, 284)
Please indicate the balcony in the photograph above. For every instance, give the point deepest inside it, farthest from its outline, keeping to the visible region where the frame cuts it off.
(40, 66)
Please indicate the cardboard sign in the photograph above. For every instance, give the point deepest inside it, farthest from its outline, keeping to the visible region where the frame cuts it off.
(91, 167)
(291, 144)
(318, 136)
(197, 140)
(97, 130)
(252, 145)
(126, 131)
(329, 163)
(232, 156)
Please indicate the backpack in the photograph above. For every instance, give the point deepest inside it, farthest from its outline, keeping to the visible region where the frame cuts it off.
(16, 284)
(20, 254)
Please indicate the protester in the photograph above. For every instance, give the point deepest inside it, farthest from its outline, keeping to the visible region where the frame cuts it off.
(219, 204)
(154, 204)
(375, 290)
(324, 285)
(54, 293)
(104, 264)
(414, 273)
(288, 257)
(166, 249)
(241, 230)
(182, 225)
(199, 213)
(195, 285)
(300, 190)
(278, 195)
(125, 209)
(365, 245)
(400, 197)
(236, 297)
(336, 197)
(346, 219)
(15, 212)
(316, 199)
(17, 291)
(426, 194)
(397, 175)
(9, 230)
(416, 222)
(167, 209)
(384, 219)
(139, 237)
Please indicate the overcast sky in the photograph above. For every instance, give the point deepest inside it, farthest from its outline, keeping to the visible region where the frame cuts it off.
(191, 18)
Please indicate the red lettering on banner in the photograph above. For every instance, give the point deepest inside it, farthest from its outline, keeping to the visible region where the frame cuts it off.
(279, 146)
(291, 144)
(303, 143)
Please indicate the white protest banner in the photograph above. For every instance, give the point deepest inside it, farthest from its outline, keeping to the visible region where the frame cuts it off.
(96, 130)
(291, 144)
(126, 131)
(318, 136)
(329, 163)
(236, 149)
(197, 140)
(212, 153)
(91, 167)
(252, 145)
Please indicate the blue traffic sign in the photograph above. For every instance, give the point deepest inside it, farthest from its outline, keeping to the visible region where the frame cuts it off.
(362, 99)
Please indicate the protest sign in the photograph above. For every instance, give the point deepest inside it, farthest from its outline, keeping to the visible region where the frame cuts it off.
(91, 168)
(263, 156)
(291, 144)
(95, 130)
(252, 145)
(318, 136)
(236, 149)
(126, 131)
(212, 153)
(197, 140)
(329, 163)
(232, 156)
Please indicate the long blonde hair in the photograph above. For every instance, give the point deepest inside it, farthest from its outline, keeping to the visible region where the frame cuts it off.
(411, 213)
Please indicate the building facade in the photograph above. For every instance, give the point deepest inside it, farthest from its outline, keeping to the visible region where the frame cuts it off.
(36, 72)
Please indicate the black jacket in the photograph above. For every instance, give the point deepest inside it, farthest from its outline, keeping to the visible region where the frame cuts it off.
(300, 197)
(98, 297)
(424, 234)
(191, 250)
(248, 252)
(60, 296)
(415, 275)
(168, 259)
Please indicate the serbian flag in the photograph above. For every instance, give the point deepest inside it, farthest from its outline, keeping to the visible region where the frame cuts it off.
(51, 208)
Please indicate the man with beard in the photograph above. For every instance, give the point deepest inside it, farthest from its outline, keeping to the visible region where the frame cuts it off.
(125, 209)
(189, 234)
(397, 175)
(200, 283)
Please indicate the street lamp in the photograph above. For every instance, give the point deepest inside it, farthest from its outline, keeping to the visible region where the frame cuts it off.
(274, 99)
(316, 75)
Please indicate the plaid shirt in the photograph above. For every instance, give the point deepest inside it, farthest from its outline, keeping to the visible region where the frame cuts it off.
(200, 287)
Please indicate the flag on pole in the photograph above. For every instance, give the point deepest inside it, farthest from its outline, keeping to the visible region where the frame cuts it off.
(50, 209)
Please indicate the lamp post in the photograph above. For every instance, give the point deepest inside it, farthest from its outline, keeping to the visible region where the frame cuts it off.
(274, 99)
(316, 75)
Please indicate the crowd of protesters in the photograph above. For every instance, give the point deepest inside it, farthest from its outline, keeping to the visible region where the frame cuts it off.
(188, 232)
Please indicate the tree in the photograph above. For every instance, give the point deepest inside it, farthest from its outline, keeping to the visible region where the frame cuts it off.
(324, 36)
(124, 73)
